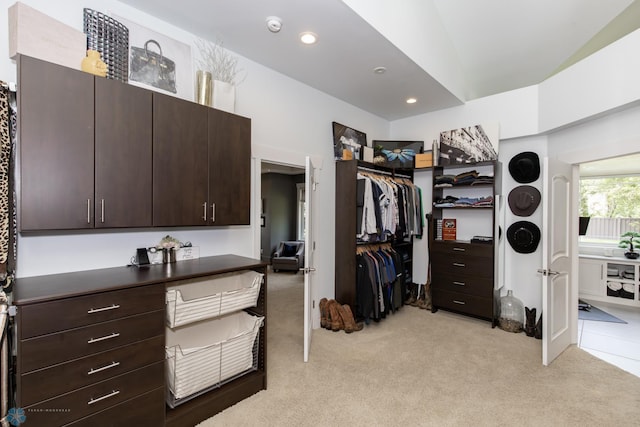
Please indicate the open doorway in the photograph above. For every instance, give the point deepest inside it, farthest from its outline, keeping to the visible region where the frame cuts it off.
(608, 281)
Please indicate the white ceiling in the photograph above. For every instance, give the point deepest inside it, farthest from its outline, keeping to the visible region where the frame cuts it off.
(499, 45)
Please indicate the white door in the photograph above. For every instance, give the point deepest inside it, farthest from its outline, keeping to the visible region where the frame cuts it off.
(309, 248)
(556, 259)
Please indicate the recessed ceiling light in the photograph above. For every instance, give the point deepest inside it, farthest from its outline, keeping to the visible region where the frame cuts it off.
(411, 100)
(308, 37)
(380, 70)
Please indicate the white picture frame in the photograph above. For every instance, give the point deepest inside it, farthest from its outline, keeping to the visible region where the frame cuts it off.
(180, 84)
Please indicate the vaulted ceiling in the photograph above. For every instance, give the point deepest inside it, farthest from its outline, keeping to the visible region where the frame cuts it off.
(442, 52)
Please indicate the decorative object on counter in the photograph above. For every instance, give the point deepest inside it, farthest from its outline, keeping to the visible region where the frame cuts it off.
(158, 62)
(530, 326)
(627, 240)
(524, 200)
(169, 246)
(511, 313)
(111, 39)
(347, 142)
(224, 71)
(92, 64)
(525, 167)
(204, 86)
(523, 236)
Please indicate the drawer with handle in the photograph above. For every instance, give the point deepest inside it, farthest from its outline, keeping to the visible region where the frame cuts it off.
(460, 248)
(466, 284)
(465, 303)
(55, 348)
(53, 316)
(461, 264)
(43, 384)
(97, 397)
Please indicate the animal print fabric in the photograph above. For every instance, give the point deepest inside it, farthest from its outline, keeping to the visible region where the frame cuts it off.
(5, 156)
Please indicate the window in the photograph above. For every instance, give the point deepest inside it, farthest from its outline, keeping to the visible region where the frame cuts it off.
(613, 204)
(301, 216)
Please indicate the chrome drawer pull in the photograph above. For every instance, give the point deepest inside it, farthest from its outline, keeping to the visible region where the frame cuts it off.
(106, 337)
(459, 302)
(459, 249)
(106, 396)
(109, 366)
(98, 310)
(459, 283)
(458, 264)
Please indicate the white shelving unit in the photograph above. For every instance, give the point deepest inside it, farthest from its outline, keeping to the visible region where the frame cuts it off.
(611, 279)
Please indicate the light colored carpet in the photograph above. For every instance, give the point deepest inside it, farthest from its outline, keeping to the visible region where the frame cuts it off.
(418, 368)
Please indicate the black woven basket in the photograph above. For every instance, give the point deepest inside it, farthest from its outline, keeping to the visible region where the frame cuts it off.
(111, 39)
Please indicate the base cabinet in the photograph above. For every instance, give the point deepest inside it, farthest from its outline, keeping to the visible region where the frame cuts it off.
(91, 346)
(609, 279)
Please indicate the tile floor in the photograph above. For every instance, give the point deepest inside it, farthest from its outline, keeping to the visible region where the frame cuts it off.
(616, 343)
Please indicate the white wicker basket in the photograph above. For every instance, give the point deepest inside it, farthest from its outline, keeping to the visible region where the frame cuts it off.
(205, 355)
(197, 299)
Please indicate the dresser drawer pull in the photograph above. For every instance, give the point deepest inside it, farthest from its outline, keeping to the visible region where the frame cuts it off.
(459, 302)
(109, 366)
(106, 337)
(98, 310)
(459, 249)
(458, 264)
(106, 396)
(459, 283)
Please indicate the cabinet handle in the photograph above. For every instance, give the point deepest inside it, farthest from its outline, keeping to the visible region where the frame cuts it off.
(98, 310)
(459, 283)
(109, 366)
(106, 396)
(459, 249)
(101, 210)
(88, 211)
(204, 207)
(213, 212)
(458, 264)
(459, 302)
(106, 337)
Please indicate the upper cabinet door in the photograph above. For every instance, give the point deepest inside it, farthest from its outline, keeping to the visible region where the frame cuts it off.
(179, 162)
(55, 147)
(122, 155)
(229, 168)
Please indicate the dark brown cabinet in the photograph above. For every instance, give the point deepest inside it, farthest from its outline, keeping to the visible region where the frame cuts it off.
(201, 164)
(122, 155)
(85, 150)
(180, 162)
(56, 150)
(463, 272)
(91, 346)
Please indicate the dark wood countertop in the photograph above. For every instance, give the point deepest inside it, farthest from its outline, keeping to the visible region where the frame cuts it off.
(36, 289)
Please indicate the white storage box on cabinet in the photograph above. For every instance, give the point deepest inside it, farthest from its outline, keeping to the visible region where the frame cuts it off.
(198, 299)
(209, 353)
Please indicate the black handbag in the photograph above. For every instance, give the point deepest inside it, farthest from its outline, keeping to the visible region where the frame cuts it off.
(152, 68)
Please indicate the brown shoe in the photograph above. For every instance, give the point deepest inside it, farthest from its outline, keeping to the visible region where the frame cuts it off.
(350, 324)
(324, 314)
(336, 320)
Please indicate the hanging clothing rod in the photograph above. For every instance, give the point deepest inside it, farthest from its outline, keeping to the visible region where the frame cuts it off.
(362, 168)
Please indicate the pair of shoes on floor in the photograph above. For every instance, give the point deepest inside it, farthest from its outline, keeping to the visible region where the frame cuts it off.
(337, 317)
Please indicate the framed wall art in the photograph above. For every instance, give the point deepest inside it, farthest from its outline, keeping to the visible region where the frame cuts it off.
(158, 62)
(471, 144)
(396, 154)
(347, 142)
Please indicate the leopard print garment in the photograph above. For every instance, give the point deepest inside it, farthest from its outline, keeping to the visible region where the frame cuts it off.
(5, 155)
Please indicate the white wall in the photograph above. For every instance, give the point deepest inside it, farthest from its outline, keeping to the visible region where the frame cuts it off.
(289, 120)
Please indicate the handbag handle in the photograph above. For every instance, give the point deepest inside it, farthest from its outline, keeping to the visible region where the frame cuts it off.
(146, 49)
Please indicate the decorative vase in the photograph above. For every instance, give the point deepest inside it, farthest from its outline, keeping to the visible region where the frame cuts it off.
(203, 87)
(632, 255)
(224, 96)
(511, 313)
